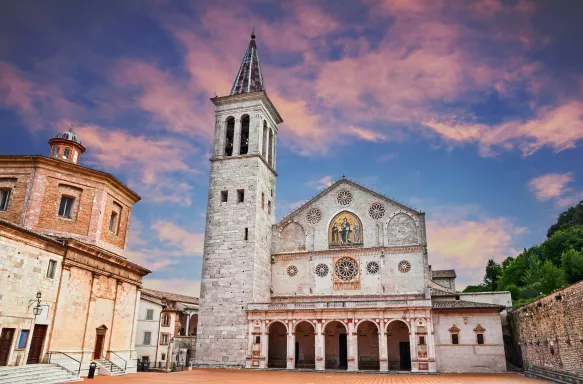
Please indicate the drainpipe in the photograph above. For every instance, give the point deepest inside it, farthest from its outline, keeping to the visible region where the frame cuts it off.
(26, 200)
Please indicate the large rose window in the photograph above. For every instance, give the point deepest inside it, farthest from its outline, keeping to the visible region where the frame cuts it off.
(346, 268)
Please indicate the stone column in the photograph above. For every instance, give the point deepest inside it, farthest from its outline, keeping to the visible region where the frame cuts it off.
(413, 345)
(320, 351)
(352, 347)
(237, 138)
(383, 348)
(291, 347)
(263, 362)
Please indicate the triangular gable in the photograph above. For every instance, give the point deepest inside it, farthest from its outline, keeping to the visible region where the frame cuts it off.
(351, 183)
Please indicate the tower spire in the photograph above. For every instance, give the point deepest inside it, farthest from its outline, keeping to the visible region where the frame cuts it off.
(249, 78)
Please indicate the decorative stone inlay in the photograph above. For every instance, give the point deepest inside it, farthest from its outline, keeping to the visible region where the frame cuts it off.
(292, 270)
(404, 266)
(322, 270)
(314, 215)
(373, 267)
(346, 268)
(376, 211)
(344, 197)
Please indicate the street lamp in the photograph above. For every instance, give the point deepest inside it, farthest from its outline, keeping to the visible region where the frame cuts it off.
(37, 309)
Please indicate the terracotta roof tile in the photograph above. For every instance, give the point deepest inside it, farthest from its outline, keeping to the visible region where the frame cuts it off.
(170, 296)
(455, 304)
(444, 273)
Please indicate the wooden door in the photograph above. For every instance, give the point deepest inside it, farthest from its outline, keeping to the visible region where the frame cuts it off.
(98, 347)
(36, 344)
(5, 344)
(405, 355)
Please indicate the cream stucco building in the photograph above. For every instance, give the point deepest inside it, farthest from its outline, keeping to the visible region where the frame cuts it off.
(343, 282)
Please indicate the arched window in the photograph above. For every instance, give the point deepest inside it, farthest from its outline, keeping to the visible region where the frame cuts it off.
(245, 135)
(75, 157)
(271, 142)
(66, 153)
(56, 151)
(264, 149)
(229, 136)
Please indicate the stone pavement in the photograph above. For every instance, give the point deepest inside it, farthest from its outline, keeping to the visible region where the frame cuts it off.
(233, 376)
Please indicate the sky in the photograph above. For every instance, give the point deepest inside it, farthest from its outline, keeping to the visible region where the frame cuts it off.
(471, 111)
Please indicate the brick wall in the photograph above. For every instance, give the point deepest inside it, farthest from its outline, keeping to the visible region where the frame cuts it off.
(116, 238)
(17, 180)
(551, 335)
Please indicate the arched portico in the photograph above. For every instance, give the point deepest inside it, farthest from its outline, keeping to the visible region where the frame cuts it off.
(305, 345)
(398, 346)
(335, 345)
(277, 345)
(368, 345)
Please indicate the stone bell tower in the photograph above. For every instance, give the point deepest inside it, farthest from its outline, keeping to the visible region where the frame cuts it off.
(236, 268)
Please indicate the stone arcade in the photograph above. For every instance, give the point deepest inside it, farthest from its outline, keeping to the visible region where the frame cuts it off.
(343, 282)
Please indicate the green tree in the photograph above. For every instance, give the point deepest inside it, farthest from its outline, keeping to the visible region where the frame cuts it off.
(572, 263)
(570, 218)
(551, 277)
(562, 241)
(493, 272)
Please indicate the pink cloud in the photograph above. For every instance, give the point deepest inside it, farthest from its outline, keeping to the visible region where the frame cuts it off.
(191, 243)
(322, 183)
(553, 186)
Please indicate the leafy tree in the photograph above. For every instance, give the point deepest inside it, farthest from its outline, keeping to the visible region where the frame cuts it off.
(570, 218)
(476, 288)
(572, 261)
(493, 272)
(514, 291)
(551, 277)
(562, 241)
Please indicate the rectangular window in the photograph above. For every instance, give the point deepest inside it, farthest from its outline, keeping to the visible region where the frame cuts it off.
(421, 340)
(149, 314)
(4, 199)
(23, 339)
(480, 337)
(224, 196)
(164, 340)
(257, 339)
(113, 223)
(272, 193)
(262, 200)
(163, 357)
(269, 207)
(51, 269)
(66, 207)
(240, 195)
(455, 338)
(246, 233)
(147, 338)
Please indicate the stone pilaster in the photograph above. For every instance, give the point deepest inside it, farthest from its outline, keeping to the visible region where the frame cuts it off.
(320, 356)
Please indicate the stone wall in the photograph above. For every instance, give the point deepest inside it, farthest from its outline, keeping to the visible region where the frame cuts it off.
(550, 334)
(468, 356)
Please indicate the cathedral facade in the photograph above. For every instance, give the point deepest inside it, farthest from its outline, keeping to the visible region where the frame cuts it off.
(343, 282)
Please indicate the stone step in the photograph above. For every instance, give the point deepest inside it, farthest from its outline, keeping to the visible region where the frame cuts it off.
(545, 378)
(37, 374)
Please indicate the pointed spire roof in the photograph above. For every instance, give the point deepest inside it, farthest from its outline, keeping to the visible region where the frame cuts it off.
(249, 78)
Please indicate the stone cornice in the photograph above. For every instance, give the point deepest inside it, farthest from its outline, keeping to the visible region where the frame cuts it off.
(350, 252)
(249, 96)
(49, 163)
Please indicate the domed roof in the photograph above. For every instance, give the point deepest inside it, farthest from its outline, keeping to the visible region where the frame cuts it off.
(68, 135)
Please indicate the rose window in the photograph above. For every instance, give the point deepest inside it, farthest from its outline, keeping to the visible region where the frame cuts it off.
(346, 268)
(404, 266)
(376, 211)
(344, 197)
(373, 267)
(321, 270)
(314, 215)
(292, 270)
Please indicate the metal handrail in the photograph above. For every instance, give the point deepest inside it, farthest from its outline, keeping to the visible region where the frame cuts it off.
(50, 353)
(111, 364)
(119, 357)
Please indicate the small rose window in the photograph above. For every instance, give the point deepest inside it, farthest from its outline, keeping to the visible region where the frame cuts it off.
(404, 266)
(373, 267)
(314, 216)
(344, 197)
(322, 270)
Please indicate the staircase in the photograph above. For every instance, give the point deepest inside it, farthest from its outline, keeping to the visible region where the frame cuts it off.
(111, 368)
(37, 374)
(551, 376)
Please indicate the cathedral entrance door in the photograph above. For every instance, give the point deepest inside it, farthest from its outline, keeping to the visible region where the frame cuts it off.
(343, 356)
(405, 354)
(38, 337)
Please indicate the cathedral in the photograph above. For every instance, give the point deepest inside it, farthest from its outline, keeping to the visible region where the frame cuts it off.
(341, 283)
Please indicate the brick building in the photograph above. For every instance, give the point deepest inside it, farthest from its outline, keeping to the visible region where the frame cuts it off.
(343, 282)
(63, 235)
(549, 335)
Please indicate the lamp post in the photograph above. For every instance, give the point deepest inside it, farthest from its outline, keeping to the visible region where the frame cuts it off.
(37, 309)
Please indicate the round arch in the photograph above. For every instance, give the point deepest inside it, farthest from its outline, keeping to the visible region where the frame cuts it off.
(398, 345)
(304, 321)
(305, 345)
(368, 345)
(277, 344)
(335, 344)
(274, 322)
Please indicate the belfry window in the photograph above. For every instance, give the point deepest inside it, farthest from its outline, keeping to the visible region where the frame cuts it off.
(66, 153)
(230, 134)
(240, 195)
(56, 152)
(265, 136)
(66, 207)
(244, 135)
(270, 150)
(224, 196)
(113, 222)
(4, 199)
(269, 207)
(262, 200)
